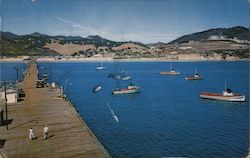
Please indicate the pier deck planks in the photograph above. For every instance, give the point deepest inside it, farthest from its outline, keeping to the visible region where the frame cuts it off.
(69, 135)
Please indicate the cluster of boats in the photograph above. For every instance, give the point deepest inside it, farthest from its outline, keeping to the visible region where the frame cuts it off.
(130, 89)
(195, 76)
(226, 95)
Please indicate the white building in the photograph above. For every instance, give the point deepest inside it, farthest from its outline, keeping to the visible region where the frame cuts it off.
(12, 96)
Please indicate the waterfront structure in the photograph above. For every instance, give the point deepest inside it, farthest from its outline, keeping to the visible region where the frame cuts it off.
(12, 96)
(69, 134)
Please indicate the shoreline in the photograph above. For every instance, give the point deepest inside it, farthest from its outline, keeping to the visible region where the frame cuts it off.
(109, 59)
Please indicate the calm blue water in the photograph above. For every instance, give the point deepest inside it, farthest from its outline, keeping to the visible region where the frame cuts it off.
(8, 71)
(167, 118)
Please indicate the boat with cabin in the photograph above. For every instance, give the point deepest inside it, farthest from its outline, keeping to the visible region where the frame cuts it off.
(171, 72)
(196, 76)
(129, 90)
(226, 95)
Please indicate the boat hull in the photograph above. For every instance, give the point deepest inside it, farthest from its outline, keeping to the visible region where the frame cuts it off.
(214, 96)
(125, 91)
(97, 89)
(126, 78)
(169, 73)
(194, 78)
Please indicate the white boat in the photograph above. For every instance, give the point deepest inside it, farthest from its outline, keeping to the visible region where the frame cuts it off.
(129, 90)
(125, 78)
(119, 76)
(171, 72)
(196, 76)
(226, 95)
(100, 67)
(97, 88)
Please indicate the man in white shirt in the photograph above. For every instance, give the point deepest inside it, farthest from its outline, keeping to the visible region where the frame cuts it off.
(45, 132)
(31, 133)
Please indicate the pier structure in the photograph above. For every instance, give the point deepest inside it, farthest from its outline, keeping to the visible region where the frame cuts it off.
(69, 136)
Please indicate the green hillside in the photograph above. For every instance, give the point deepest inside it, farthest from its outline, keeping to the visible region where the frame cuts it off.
(239, 32)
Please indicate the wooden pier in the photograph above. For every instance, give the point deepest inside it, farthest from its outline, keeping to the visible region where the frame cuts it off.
(69, 136)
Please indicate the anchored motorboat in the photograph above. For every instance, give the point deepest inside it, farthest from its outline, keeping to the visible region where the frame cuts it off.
(226, 95)
(130, 89)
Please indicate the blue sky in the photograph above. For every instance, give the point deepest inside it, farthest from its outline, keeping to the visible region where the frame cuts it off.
(122, 20)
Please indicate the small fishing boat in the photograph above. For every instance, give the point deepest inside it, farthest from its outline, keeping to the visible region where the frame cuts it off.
(196, 76)
(119, 76)
(115, 76)
(100, 67)
(97, 88)
(226, 95)
(125, 78)
(171, 72)
(129, 90)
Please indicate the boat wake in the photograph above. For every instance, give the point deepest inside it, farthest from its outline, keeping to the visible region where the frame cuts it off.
(112, 112)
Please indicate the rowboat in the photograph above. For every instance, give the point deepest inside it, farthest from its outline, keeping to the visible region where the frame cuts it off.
(97, 88)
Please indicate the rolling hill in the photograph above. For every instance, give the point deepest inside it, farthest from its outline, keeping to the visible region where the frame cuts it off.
(45, 45)
(233, 40)
(239, 32)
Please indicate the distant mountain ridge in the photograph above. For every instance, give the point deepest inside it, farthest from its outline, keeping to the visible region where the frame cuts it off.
(33, 44)
(239, 32)
(46, 45)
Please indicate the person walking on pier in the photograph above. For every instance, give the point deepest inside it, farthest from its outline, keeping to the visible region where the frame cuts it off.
(31, 134)
(45, 132)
